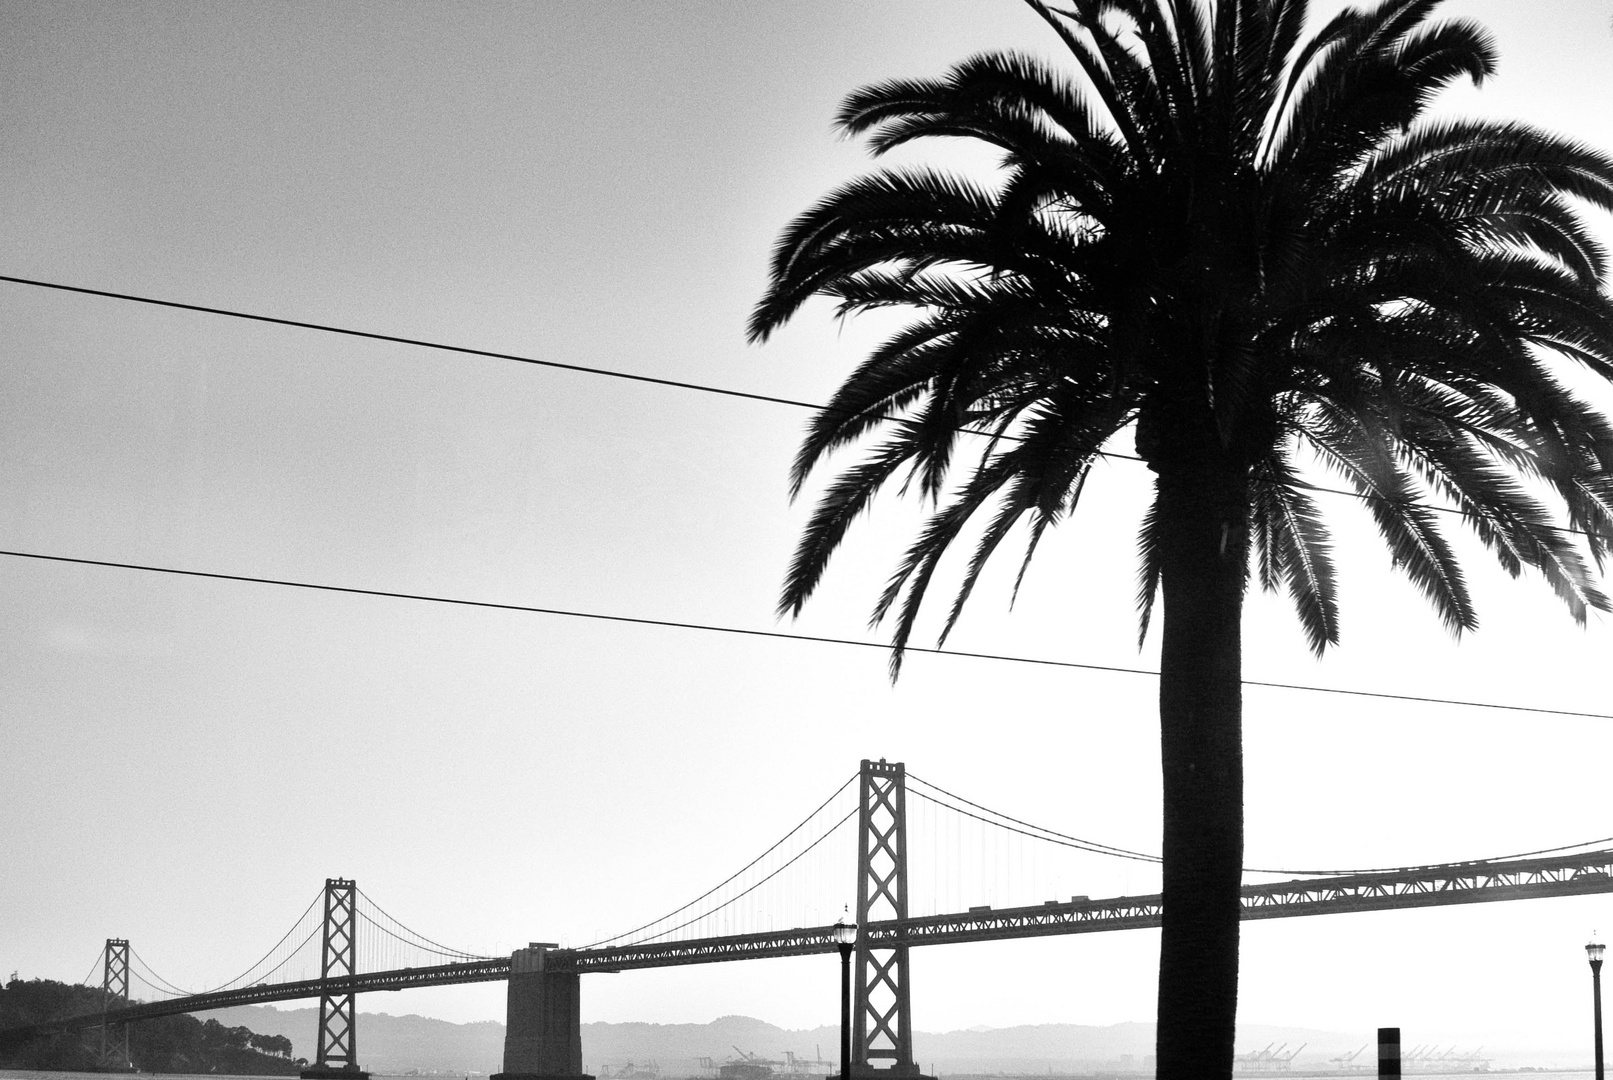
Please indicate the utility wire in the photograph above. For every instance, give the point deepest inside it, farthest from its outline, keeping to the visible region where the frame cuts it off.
(421, 343)
(609, 373)
(778, 634)
(773, 634)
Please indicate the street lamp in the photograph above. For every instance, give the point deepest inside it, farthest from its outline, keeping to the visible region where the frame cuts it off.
(845, 935)
(1594, 952)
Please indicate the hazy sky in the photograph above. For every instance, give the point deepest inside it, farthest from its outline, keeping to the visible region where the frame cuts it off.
(183, 761)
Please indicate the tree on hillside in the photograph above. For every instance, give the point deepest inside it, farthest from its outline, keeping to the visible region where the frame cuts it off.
(166, 1044)
(278, 1045)
(1252, 249)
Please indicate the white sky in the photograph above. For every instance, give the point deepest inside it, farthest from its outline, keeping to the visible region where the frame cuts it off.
(183, 762)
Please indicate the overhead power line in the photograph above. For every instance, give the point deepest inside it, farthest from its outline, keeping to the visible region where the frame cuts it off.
(609, 373)
(422, 343)
(519, 358)
(712, 628)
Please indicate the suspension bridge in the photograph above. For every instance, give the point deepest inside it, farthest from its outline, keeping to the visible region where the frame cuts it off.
(344, 944)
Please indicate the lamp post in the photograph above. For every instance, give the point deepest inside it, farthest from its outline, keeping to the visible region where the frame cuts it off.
(1593, 952)
(845, 935)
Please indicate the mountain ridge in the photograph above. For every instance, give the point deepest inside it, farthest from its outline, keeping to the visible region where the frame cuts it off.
(397, 1044)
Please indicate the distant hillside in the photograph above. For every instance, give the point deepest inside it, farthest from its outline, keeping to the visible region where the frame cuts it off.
(398, 1044)
(386, 1043)
(170, 1044)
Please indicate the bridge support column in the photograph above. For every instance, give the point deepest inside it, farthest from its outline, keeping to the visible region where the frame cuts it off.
(338, 1022)
(114, 1053)
(543, 1018)
(882, 1017)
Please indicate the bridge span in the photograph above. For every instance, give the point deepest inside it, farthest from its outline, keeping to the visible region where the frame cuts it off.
(1462, 883)
(543, 1018)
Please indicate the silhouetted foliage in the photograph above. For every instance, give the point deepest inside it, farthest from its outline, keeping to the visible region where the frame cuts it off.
(167, 1044)
(1254, 253)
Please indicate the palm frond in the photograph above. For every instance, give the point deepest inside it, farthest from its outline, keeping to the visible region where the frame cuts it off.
(914, 214)
(1150, 567)
(1408, 526)
(1246, 242)
(1295, 549)
(846, 499)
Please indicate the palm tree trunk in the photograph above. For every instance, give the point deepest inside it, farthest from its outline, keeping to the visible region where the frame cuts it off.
(1204, 560)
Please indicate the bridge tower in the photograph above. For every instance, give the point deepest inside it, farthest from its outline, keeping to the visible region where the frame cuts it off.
(338, 1054)
(114, 1055)
(882, 1010)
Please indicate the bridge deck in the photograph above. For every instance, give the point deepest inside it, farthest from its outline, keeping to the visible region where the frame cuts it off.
(1464, 883)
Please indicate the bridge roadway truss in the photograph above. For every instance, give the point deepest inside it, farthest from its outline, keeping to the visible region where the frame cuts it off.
(1462, 883)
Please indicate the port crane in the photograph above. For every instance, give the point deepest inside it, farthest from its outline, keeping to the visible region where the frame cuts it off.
(1345, 1062)
(1268, 1060)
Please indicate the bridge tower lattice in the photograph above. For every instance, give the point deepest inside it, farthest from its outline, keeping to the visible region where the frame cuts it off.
(882, 1010)
(338, 1028)
(114, 1054)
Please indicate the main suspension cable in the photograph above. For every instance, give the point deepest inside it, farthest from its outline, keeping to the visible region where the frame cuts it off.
(442, 950)
(746, 892)
(1591, 844)
(290, 955)
(1064, 840)
(170, 987)
(420, 938)
(312, 904)
(736, 873)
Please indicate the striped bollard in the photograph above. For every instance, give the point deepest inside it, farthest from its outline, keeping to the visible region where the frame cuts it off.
(1388, 1054)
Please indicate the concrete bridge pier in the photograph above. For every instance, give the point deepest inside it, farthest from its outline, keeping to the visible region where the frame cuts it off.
(543, 1018)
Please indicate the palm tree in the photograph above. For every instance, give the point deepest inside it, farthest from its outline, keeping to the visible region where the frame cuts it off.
(1254, 251)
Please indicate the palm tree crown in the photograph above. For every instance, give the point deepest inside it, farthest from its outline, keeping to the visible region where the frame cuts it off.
(1234, 239)
(1254, 250)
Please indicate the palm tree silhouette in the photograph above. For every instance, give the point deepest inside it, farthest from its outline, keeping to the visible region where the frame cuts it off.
(1255, 251)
